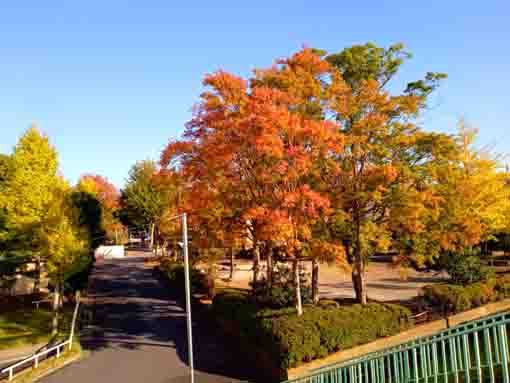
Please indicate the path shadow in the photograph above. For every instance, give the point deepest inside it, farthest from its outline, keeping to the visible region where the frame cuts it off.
(134, 309)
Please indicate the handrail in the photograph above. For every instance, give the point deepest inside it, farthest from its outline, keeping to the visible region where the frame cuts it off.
(460, 329)
(57, 347)
(421, 355)
(35, 357)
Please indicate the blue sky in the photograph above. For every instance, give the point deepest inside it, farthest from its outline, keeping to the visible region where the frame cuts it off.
(112, 81)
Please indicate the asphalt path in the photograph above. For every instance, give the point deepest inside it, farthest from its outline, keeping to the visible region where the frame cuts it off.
(139, 334)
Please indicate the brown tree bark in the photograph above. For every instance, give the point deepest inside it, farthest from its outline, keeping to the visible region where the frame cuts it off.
(256, 263)
(37, 281)
(211, 284)
(297, 286)
(151, 243)
(232, 265)
(315, 281)
(270, 266)
(56, 308)
(358, 269)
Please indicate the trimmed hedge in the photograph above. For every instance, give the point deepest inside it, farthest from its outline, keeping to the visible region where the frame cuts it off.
(291, 340)
(174, 272)
(460, 298)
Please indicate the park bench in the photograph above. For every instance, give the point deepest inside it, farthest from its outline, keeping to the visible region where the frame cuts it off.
(37, 303)
(421, 317)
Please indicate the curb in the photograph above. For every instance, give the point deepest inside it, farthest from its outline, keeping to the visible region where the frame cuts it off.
(67, 362)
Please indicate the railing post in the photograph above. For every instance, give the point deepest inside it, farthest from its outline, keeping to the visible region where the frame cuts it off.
(488, 352)
(415, 364)
(477, 357)
(452, 345)
(496, 345)
(58, 351)
(445, 363)
(10, 374)
(504, 354)
(435, 367)
(36, 361)
(467, 361)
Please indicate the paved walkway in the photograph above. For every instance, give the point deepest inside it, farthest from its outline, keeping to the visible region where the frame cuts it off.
(140, 334)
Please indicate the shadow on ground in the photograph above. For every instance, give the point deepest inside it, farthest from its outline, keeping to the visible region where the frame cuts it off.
(134, 310)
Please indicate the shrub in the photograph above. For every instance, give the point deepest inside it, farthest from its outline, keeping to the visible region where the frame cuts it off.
(282, 294)
(78, 278)
(465, 269)
(174, 271)
(328, 303)
(459, 298)
(290, 339)
(502, 287)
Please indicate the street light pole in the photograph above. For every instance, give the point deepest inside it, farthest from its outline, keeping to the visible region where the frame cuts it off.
(187, 284)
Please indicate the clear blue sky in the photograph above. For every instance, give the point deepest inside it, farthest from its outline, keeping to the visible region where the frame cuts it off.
(112, 81)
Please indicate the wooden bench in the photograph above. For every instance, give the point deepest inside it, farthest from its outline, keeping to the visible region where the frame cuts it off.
(421, 317)
(37, 303)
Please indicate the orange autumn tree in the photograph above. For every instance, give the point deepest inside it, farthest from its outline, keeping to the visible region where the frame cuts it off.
(249, 150)
(380, 167)
(380, 170)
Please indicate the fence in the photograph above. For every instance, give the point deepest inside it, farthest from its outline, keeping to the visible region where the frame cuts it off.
(474, 352)
(52, 351)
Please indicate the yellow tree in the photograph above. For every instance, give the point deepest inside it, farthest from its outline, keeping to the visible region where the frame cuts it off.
(27, 193)
(472, 195)
(65, 246)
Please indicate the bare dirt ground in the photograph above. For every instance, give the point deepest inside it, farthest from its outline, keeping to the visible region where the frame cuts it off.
(384, 281)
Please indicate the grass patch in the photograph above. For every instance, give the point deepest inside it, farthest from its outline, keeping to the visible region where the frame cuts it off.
(47, 366)
(24, 327)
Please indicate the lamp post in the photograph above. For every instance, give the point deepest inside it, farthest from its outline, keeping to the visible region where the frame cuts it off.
(187, 283)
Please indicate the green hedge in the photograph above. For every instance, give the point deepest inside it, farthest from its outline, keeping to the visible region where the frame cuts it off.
(291, 340)
(460, 298)
(174, 272)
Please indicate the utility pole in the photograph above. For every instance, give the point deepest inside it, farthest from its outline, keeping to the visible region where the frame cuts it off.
(188, 295)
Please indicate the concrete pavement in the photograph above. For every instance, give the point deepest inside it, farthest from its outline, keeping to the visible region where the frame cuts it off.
(139, 334)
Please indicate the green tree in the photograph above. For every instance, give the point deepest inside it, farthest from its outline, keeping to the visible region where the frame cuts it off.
(148, 195)
(98, 188)
(383, 149)
(90, 215)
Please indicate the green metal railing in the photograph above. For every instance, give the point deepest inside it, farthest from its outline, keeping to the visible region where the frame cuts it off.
(477, 351)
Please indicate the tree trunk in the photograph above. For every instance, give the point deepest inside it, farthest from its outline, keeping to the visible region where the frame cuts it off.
(56, 307)
(347, 249)
(358, 267)
(37, 281)
(256, 263)
(151, 243)
(232, 265)
(270, 266)
(297, 286)
(315, 281)
(359, 283)
(174, 250)
(358, 270)
(211, 283)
